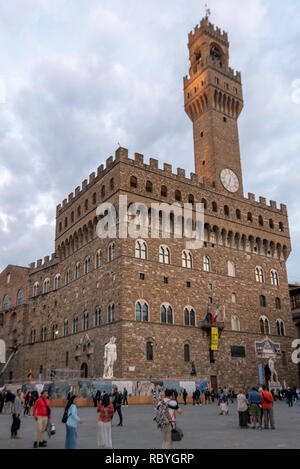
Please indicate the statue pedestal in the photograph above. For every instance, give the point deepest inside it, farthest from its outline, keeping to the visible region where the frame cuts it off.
(273, 385)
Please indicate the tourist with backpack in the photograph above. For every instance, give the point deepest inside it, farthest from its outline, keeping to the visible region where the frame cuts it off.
(117, 399)
(71, 420)
(166, 418)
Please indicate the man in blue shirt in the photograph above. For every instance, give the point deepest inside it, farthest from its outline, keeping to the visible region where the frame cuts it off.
(255, 407)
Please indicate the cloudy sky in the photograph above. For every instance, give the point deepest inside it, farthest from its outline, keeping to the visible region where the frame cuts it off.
(78, 77)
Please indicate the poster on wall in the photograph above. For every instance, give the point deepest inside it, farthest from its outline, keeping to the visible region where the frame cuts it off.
(202, 385)
(124, 384)
(146, 388)
(189, 386)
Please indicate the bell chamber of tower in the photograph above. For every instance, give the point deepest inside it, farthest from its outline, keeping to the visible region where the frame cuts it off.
(213, 101)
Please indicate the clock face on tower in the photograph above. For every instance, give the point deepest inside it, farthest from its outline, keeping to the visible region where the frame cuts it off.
(230, 180)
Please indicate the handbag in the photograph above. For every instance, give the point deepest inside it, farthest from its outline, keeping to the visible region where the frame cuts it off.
(51, 430)
(177, 433)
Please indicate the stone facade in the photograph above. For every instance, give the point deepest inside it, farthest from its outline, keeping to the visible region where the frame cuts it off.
(87, 291)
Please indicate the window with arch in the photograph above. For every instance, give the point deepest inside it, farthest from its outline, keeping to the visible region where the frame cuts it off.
(189, 317)
(187, 259)
(66, 222)
(103, 192)
(260, 220)
(85, 321)
(68, 277)
(264, 325)
(46, 285)
(44, 334)
(149, 187)
(164, 191)
(94, 198)
(178, 196)
(112, 184)
(204, 203)
(72, 217)
(281, 228)
(57, 282)
(79, 211)
(238, 214)
(231, 269)
(60, 227)
(98, 317)
(274, 278)
(235, 323)
(140, 249)
(262, 301)
(77, 271)
(214, 207)
(166, 314)
(54, 332)
(164, 255)
(87, 266)
(278, 303)
(111, 252)
(206, 264)
(66, 328)
(226, 211)
(191, 199)
(20, 297)
(186, 353)
(1, 319)
(36, 289)
(249, 217)
(280, 327)
(259, 275)
(86, 204)
(111, 313)
(32, 336)
(271, 224)
(141, 311)
(98, 259)
(149, 351)
(133, 182)
(75, 325)
(5, 303)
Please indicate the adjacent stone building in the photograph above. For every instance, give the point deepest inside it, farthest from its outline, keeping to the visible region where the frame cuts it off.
(153, 294)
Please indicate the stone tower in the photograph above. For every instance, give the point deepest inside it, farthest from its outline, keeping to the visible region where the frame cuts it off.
(213, 101)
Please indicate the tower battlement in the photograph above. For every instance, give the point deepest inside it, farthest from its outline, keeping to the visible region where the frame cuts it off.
(40, 264)
(198, 68)
(208, 28)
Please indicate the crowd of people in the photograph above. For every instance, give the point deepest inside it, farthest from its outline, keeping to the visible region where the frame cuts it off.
(255, 409)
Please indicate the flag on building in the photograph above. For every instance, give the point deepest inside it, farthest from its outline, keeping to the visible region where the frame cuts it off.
(207, 313)
(214, 319)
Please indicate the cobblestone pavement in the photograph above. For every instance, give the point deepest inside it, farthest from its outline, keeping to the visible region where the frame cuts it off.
(203, 428)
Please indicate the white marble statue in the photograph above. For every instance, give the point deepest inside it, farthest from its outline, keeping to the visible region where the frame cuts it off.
(274, 374)
(110, 357)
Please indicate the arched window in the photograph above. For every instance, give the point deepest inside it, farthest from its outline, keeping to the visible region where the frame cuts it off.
(214, 207)
(187, 260)
(112, 184)
(60, 227)
(94, 198)
(274, 278)
(142, 311)
(57, 282)
(277, 303)
(46, 285)
(54, 332)
(87, 265)
(140, 249)
(97, 317)
(98, 259)
(149, 187)
(164, 255)
(20, 297)
(111, 252)
(164, 191)
(77, 271)
(186, 353)
(85, 321)
(281, 228)
(235, 323)
(72, 217)
(79, 211)
(75, 325)
(206, 264)
(44, 334)
(68, 277)
(189, 317)
(264, 325)
(133, 182)
(204, 202)
(191, 199)
(102, 192)
(36, 289)
(262, 301)
(226, 210)
(259, 275)
(5, 303)
(271, 224)
(238, 214)
(249, 217)
(86, 204)
(66, 328)
(280, 327)
(32, 336)
(166, 312)
(178, 196)
(261, 220)
(149, 351)
(231, 269)
(111, 313)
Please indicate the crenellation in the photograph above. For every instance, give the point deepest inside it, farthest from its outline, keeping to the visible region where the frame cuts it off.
(39, 263)
(109, 162)
(139, 158)
(153, 163)
(71, 196)
(121, 154)
(251, 197)
(65, 202)
(46, 259)
(84, 184)
(181, 172)
(91, 178)
(77, 191)
(100, 170)
(273, 204)
(168, 168)
(283, 209)
(262, 201)
(32, 266)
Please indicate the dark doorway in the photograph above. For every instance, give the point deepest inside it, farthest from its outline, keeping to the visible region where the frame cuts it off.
(267, 375)
(84, 370)
(214, 383)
